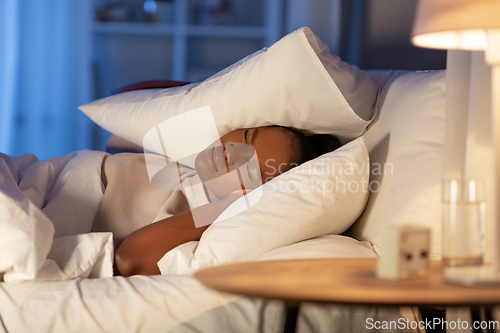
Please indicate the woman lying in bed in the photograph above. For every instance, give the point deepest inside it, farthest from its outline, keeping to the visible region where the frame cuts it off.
(278, 149)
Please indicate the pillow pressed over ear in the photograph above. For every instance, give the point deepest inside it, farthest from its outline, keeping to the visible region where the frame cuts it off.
(322, 196)
(296, 83)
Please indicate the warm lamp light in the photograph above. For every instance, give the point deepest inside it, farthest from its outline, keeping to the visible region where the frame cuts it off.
(469, 25)
(455, 24)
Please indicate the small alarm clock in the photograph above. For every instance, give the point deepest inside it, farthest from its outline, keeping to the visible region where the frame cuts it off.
(405, 252)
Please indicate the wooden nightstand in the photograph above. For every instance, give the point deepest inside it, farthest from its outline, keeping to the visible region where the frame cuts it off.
(346, 281)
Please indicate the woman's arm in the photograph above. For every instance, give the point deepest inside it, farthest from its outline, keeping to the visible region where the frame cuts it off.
(139, 252)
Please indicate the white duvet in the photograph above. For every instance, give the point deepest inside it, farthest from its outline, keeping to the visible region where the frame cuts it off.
(46, 213)
(179, 303)
(167, 303)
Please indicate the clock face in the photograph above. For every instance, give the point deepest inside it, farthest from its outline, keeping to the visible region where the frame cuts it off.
(414, 252)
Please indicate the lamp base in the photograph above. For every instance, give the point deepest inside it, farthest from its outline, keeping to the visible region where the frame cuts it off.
(472, 276)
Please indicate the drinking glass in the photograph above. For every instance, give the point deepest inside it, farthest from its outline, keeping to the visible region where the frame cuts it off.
(463, 223)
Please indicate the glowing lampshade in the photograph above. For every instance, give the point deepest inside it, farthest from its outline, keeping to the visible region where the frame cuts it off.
(455, 24)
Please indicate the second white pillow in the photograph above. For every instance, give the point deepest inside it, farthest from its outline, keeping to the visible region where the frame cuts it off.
(296, 83)
(323, 196)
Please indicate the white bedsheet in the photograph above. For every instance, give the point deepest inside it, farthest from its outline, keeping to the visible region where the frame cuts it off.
(178, 303)
(45, 209)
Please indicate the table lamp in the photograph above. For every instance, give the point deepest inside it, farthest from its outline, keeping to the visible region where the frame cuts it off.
(468, 25)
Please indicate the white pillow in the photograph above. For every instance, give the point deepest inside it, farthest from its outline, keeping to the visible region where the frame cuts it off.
(406, 142)
(299, 204)
(327, 246)
(296, 82)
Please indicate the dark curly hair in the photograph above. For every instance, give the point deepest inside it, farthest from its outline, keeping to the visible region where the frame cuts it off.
(308, 148)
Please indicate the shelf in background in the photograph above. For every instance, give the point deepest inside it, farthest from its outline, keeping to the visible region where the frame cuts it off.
(171, 29)
(133, 28)
(226, 31)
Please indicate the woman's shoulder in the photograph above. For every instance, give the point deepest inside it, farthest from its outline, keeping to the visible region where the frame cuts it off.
(123, 161)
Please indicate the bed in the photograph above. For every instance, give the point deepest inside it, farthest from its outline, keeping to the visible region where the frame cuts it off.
(402, 130)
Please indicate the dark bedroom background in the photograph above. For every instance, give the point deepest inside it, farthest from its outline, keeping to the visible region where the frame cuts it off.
(57, 55)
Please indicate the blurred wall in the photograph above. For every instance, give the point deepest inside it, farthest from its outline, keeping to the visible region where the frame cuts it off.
(322, 16)
(387, 38)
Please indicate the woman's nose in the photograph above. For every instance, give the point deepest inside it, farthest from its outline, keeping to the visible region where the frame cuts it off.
(237, 153)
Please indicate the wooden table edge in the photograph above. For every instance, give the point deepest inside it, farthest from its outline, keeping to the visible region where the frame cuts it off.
(355, 277)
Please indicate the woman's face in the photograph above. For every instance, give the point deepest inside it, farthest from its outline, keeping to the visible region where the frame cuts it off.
(244, 159)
